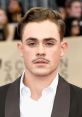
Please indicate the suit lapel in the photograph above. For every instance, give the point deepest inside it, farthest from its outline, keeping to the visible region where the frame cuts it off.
(12, 108)
(62, 100)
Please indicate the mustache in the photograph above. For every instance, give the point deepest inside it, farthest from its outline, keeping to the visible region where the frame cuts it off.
(40, 59)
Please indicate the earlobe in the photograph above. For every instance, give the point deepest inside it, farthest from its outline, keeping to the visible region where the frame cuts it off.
(64, 46)
(20, 48)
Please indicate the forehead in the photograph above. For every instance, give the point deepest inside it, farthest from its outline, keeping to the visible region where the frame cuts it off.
(41, 30)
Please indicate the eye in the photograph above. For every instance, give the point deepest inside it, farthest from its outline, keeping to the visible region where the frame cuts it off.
(49, 44)
(31, 44)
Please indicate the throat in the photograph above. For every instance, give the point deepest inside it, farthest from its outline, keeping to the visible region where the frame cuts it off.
(37, 85)
(36, 96)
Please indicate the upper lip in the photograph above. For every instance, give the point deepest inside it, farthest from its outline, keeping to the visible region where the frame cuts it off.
(41, 60)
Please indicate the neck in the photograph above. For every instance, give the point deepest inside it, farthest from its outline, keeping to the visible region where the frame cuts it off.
(36, 84)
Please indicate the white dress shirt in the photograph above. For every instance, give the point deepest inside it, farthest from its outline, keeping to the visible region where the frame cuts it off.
(37, 108)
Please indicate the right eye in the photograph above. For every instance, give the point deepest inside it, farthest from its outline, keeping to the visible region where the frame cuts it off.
(31, 44)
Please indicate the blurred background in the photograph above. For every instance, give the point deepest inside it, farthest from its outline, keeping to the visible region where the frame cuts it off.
(11, 12)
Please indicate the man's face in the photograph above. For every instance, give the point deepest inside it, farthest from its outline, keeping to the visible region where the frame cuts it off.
(41, 48)
(75, 9)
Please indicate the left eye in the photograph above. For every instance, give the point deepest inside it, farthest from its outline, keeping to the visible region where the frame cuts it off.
(49, 44)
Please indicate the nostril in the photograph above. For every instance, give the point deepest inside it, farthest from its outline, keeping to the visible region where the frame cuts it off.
(40, 54)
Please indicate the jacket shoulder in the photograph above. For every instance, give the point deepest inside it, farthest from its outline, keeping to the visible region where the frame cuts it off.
(75, 89)
(75, 101)
(3, 92)
(76, 94)
(3, 89)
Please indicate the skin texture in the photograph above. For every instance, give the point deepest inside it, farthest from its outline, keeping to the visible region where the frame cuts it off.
(41, 50)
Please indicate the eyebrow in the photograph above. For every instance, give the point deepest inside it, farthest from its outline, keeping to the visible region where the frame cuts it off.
(45, 39)
(50, 39)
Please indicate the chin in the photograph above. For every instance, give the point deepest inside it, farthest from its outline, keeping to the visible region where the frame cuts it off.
(41, 72)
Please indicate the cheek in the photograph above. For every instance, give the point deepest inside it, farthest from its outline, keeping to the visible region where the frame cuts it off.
(28, 55)
(55, 54)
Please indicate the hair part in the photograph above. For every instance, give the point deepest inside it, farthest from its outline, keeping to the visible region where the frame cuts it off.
(39, 14)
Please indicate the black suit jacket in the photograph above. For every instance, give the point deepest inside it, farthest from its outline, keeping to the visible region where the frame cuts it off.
(67, 103)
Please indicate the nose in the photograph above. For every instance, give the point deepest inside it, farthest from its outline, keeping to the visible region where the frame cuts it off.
(41, 50)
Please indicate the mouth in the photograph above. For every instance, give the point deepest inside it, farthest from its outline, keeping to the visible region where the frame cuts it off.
(41, 61)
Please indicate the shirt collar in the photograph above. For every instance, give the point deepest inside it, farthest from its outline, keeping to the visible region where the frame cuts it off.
(54, 83)
(24, 89)
(51, 87)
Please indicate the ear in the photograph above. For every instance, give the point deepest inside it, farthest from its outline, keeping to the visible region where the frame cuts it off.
(20, 48)
(64, 46)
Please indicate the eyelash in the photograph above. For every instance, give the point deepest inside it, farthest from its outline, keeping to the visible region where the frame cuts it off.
(32, 43)
(50, 43)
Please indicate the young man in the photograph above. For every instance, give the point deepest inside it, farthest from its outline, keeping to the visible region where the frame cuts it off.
(41, 91)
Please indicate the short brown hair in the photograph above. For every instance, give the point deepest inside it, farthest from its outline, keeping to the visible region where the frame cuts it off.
(39, 14)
